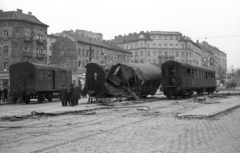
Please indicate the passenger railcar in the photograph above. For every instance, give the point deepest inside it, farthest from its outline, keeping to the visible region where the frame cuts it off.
(182, 79)
(31, 80)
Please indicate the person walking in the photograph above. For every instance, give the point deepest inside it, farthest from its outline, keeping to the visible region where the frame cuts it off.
(72, 95)
(63, 95)
(77, 95)
(5, 94)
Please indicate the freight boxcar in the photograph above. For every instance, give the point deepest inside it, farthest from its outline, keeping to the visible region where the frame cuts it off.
(182, 79)
(31, 80)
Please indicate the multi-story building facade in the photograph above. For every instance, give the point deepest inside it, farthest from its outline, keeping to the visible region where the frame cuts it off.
(214, 59)
(157, 47)
(23, 38)
(90, 34)
(75, 51)
(50, 40)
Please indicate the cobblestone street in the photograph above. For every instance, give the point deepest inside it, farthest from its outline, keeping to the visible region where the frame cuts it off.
(126, 129)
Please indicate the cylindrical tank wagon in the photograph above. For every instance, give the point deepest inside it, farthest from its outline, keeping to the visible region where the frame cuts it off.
(31, 80)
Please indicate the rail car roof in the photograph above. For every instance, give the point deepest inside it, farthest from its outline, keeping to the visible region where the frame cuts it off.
(144, 71)
(44, 66)
(187, 65)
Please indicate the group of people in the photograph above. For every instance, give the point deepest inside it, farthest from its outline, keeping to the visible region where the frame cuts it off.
(4, 94)
(70, 95)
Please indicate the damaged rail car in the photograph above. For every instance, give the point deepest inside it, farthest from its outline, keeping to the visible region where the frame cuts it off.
(122, 80)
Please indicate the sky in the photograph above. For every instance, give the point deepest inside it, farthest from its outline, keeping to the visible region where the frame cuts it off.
(214, 21)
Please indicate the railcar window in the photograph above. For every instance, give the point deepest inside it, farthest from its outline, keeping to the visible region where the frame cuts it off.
(41, 75)
(184, 72)
(49, 75)
(188, 73)
(95, 76)
(192, 73)
(171, 71)
(64, 76)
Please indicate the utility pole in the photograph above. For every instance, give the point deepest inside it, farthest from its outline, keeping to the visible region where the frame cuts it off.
(90, 53)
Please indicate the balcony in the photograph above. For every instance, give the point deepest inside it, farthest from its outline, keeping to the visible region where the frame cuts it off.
(41, 41)
(27, 39)
(27, 54)
(41, 56)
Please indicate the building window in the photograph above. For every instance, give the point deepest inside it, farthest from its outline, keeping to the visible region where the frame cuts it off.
(50, 58)
(6, 33)
(182, 45)
(182, 54)
(26, 49)
(5, 51)
(141, 60)
(176, 54)
(176, 45)
(5, 65)
(165, 45)
(171, 46)
(154, 53)
(39, 37)
(148, 45)
(39, 51)
(148, 53)
(26, 34)
(141, 52)
(160, 46)
(160, 52)
(79, 51)
(135, 45)
(79, 63)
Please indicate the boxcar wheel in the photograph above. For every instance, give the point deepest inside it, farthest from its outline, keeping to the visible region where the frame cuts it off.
(27, 99)
(49, 97)
(40, 98)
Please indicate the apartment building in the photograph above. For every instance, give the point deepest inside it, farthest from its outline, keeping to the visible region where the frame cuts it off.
(23, 37)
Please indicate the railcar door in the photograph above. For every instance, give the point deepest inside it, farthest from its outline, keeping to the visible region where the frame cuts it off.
(22, 84)
(171, 73)
(53, 79)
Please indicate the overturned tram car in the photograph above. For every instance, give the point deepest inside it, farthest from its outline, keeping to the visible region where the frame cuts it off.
(122, 80)
(182, 79)
(31, 80)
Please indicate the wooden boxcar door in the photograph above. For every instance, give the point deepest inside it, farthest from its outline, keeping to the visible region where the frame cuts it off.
(22, 84)
(53, 79)
(171, 76)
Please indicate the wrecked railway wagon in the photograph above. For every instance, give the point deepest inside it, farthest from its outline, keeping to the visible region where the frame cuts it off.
(121, 80)
(31, 80)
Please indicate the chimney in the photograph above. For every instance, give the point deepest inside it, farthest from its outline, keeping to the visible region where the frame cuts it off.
(197, 42)
(30, 13)
(19, 10)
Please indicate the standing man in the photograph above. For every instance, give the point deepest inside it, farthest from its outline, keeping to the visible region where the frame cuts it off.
(5, 94)
(63, 95)
(72, 95)
(77, 95)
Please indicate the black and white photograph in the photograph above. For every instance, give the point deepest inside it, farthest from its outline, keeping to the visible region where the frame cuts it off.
(120, 76)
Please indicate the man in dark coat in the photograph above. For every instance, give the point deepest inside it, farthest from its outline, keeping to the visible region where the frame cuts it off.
(5, 94)
(63, 95)
(0, 94)
(77, 95)
(72, 95)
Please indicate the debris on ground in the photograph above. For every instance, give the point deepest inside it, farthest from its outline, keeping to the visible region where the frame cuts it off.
(146, 108)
